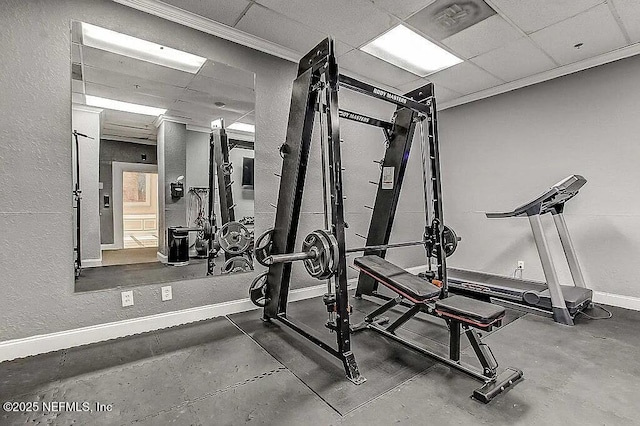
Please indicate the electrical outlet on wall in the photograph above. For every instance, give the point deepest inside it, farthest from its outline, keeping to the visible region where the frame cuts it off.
(127, 298)
(166, 293)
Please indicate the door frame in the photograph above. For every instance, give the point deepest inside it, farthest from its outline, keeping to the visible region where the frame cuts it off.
(117, 168)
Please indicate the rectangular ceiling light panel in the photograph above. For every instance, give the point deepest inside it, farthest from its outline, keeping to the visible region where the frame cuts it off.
(408, 50)
(243, 127)
(123, 106)
(143, 50)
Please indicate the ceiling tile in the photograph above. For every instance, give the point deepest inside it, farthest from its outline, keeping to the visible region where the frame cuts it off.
(127, 118)
(412, 85)
(629, 12)
(227, 74)
(131, 83)
(534, 15)
(123, 64)
(444, 95)
(279, 29)
(375, 69)
(341, 48)
(465, 78)
(207, 100)
(402, 9)
(596, 29)
(353, 22)
(225, 11)
(124, 95)
(514, 61)
(221, 89)
(444, 18)
(482, 37)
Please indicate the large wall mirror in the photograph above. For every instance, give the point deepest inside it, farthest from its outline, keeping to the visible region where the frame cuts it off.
(162, 146)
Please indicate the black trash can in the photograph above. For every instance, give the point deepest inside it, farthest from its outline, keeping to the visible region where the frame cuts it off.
(178, 246)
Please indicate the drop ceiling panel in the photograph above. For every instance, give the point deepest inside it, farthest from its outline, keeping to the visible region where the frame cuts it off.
(444, 95)
(225, 11)
(220, 89)
(77, 86)
(200, 117)
(514, 61)
(127, 96)
(533, 15)
(402, 9)
(443, 18)
(629, 12)
(279, 29)
(465, 78)
(208, 101)
(228, 74)
(371, 67)
(123, 64)
(482, 37)
(354, 22)
(127, 118)
(75, 53)
(131, 83)
(596, 29)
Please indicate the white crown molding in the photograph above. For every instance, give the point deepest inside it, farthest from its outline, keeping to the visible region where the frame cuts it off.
(86, 108)
(162, 118)
(605, 58)
(206, 25)
(200, 129)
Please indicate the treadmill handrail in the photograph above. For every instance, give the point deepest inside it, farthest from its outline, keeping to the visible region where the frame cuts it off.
(570, 186)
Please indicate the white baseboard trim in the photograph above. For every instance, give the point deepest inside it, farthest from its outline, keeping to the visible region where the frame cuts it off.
(109, 247)
(162, 258)
(91, 263)
(618, 300)
(20, 348)
(627, 302)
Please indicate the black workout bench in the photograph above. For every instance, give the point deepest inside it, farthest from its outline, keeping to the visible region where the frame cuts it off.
(460, 313)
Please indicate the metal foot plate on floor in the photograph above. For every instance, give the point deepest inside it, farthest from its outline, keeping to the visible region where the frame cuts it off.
(507, 379)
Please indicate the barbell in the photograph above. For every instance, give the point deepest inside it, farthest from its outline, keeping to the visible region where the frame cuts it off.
(320, 251)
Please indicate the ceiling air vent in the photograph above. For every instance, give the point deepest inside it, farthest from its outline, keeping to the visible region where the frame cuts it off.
(443, 18)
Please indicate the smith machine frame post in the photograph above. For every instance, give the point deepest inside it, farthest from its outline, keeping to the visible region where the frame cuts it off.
(386, 202)
(77, 195)
(318, 73)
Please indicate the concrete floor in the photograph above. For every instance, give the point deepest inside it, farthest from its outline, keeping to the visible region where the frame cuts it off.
(213, 373)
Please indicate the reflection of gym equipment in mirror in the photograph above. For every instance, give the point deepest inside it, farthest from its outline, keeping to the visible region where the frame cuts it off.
(149, 110)
(77, 197)
(315, 91)
(562, 302)
(214, 234)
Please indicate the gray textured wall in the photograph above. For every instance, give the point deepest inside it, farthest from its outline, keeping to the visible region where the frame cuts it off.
(172, 162)
(501, 152)
(125, 152)
(35, 154)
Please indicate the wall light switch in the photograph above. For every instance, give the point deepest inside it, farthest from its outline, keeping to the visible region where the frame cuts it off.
(166, 293)
(127, 298)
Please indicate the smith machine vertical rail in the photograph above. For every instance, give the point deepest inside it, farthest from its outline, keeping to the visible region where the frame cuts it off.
(317, 75)
(386, 202)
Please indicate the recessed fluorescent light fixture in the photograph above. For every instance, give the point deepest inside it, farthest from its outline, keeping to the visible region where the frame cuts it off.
(143, 50)
(243, 127)
(410, 51)
(123, 106)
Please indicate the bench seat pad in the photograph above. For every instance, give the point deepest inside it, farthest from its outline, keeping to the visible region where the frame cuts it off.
(465, 307)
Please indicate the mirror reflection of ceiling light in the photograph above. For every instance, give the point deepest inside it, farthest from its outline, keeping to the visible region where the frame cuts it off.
(123, 106)
(410, 51)
(243, 127)
(121, 44)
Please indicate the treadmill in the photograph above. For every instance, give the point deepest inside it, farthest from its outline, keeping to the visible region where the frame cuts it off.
(561, 301)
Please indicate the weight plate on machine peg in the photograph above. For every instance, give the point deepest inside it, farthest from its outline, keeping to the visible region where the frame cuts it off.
(227, 169)
(258, 290)
(237, 264)
(449, 241)
(324, 245)
(263, 246)
(234, 238)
